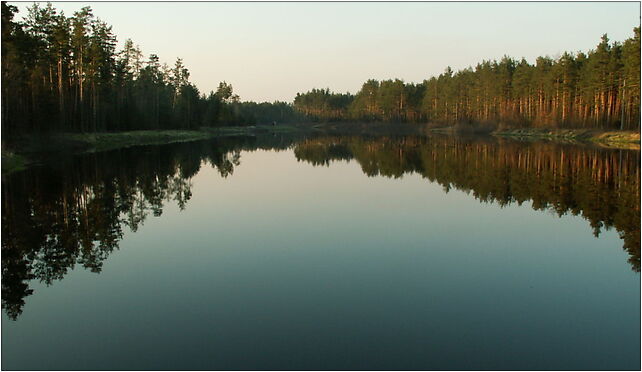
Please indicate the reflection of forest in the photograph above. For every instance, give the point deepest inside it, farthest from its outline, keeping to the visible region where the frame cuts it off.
(601, 185)
(72, 212)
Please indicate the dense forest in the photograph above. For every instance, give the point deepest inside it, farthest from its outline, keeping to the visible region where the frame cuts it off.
(598, 89)
(63, 73)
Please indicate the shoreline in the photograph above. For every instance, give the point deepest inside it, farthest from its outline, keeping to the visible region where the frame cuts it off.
(24, 151)
(610, 137)
(626, 140)
(19, 155)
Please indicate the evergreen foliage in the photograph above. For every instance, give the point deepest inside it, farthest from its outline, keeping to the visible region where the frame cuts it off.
(599, 89)
(63, 73)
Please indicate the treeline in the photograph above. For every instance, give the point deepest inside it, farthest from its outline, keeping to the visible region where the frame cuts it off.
(598, 89)
(253, 113)
(323, 104)
(63, 73)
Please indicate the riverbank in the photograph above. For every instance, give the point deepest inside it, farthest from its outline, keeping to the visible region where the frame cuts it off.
(26, 150)
(12, 162)
(611, 139)
(111, 141)
(607, 138)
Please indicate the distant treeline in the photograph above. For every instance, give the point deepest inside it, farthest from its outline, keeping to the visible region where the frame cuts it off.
(598, 89)
(63, 73)
(249, 113)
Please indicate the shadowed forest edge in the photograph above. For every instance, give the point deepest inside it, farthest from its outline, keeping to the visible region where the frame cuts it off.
(63, 74)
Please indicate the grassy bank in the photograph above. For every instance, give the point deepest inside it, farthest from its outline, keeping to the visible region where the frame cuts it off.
(259, 129)
(619, 139)
(12, 162)
(25, 151)
(28, 150)
(20, 152)
(110, 141)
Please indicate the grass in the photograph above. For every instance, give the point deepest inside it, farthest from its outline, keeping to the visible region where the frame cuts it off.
(28, 148)
(12, 162)
(619, 139)
(110, 141)
(93, 142)
(258, 129)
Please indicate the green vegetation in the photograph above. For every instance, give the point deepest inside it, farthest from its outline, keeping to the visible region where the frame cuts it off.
(12, 162)
(252, 113)
(63, 74)
(323, 105)
(595, 90)
(617, 137)
(28, 147)
(261, 129)
(108, 141)
(611, 138)
(64, 82)
(27, 150)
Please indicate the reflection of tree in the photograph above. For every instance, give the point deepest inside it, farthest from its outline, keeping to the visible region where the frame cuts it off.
(72, 213)
(322, 153)
(601, 185)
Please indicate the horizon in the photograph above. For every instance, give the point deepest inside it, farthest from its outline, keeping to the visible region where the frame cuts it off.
(417, 39)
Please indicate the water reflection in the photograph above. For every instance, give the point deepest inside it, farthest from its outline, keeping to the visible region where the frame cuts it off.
(73, 210)
(601, 185)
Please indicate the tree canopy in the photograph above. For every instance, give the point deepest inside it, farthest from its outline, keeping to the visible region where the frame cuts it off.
(598, 89)
(63, 73)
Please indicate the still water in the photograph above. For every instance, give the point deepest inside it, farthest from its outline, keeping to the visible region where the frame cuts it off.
(324, 252)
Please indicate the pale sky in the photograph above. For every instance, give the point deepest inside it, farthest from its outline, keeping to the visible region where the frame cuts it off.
(271, 51)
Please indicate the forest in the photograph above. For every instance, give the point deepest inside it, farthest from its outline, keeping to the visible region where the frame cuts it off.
(63, 74)
(599, 89)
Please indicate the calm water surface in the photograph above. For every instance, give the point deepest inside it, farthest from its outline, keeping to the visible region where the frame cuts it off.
(324, 252)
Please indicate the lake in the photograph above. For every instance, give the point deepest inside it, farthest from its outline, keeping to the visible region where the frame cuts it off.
(283, 251)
